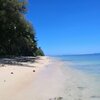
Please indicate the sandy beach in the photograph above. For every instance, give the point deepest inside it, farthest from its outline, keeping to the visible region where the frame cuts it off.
(44, 79)
(16, 78)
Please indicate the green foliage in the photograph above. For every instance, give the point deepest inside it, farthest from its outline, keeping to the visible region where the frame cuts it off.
(17, 36)
(39, 52)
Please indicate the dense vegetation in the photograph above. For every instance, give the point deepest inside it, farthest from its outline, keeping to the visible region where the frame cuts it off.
(17, 36)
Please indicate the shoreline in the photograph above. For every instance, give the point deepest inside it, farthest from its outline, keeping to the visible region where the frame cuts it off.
(52, 80)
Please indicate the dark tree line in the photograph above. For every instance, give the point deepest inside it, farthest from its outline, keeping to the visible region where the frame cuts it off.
(17, 36)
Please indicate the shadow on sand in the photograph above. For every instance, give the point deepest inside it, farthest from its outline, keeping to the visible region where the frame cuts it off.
(20, 61)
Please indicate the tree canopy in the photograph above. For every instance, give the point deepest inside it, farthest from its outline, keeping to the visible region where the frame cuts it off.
(17, 36)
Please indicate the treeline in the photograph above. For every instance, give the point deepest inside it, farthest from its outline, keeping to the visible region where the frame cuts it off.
(17, 36)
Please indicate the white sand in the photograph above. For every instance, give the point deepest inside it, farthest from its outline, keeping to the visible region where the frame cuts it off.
(22, 77)
(51, 81)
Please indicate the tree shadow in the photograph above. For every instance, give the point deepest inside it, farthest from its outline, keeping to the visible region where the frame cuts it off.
(19, 61)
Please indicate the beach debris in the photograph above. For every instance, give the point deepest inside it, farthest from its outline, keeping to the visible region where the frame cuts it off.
(56, 98)
(33, 70)
(59, 98)
(12, 73)
(4, 80)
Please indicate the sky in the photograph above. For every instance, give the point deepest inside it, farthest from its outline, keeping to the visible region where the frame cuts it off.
(66, 26)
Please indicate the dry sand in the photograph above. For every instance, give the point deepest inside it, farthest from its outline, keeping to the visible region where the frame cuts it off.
(15, 78)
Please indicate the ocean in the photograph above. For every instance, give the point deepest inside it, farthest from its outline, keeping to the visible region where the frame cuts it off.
(87, 63)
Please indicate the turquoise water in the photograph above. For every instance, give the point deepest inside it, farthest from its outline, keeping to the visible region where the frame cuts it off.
(87, 63)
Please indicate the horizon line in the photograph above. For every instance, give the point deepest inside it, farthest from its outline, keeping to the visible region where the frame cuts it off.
(73, 54)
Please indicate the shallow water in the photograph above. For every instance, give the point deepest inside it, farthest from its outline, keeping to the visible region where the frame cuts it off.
(89, 66)
(85, 63)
